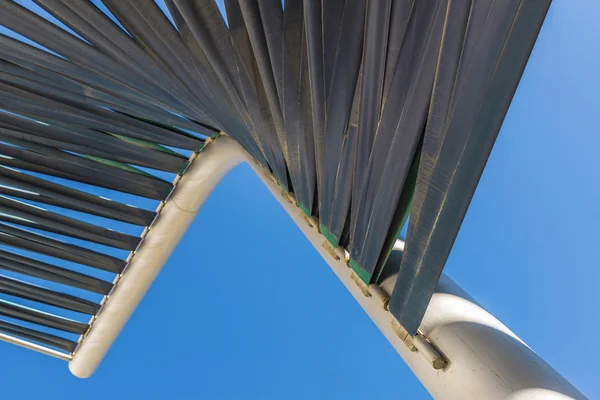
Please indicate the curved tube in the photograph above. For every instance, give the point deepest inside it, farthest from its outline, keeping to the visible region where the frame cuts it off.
(482, 358)
(205, 172)
(485, 360)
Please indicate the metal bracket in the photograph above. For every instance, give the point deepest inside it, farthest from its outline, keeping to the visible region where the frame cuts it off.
(403, 334)
(430, 352)
(380, 295)
(361, 285)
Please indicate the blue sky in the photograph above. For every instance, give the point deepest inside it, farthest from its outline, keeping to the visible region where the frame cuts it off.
(246, 309)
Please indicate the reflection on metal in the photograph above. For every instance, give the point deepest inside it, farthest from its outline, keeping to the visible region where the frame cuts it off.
(35, 347)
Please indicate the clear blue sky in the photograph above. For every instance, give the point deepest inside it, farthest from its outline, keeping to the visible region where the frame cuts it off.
(246, 309)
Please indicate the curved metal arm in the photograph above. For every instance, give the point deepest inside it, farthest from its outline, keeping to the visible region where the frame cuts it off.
(203, 175)
(461, 352)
